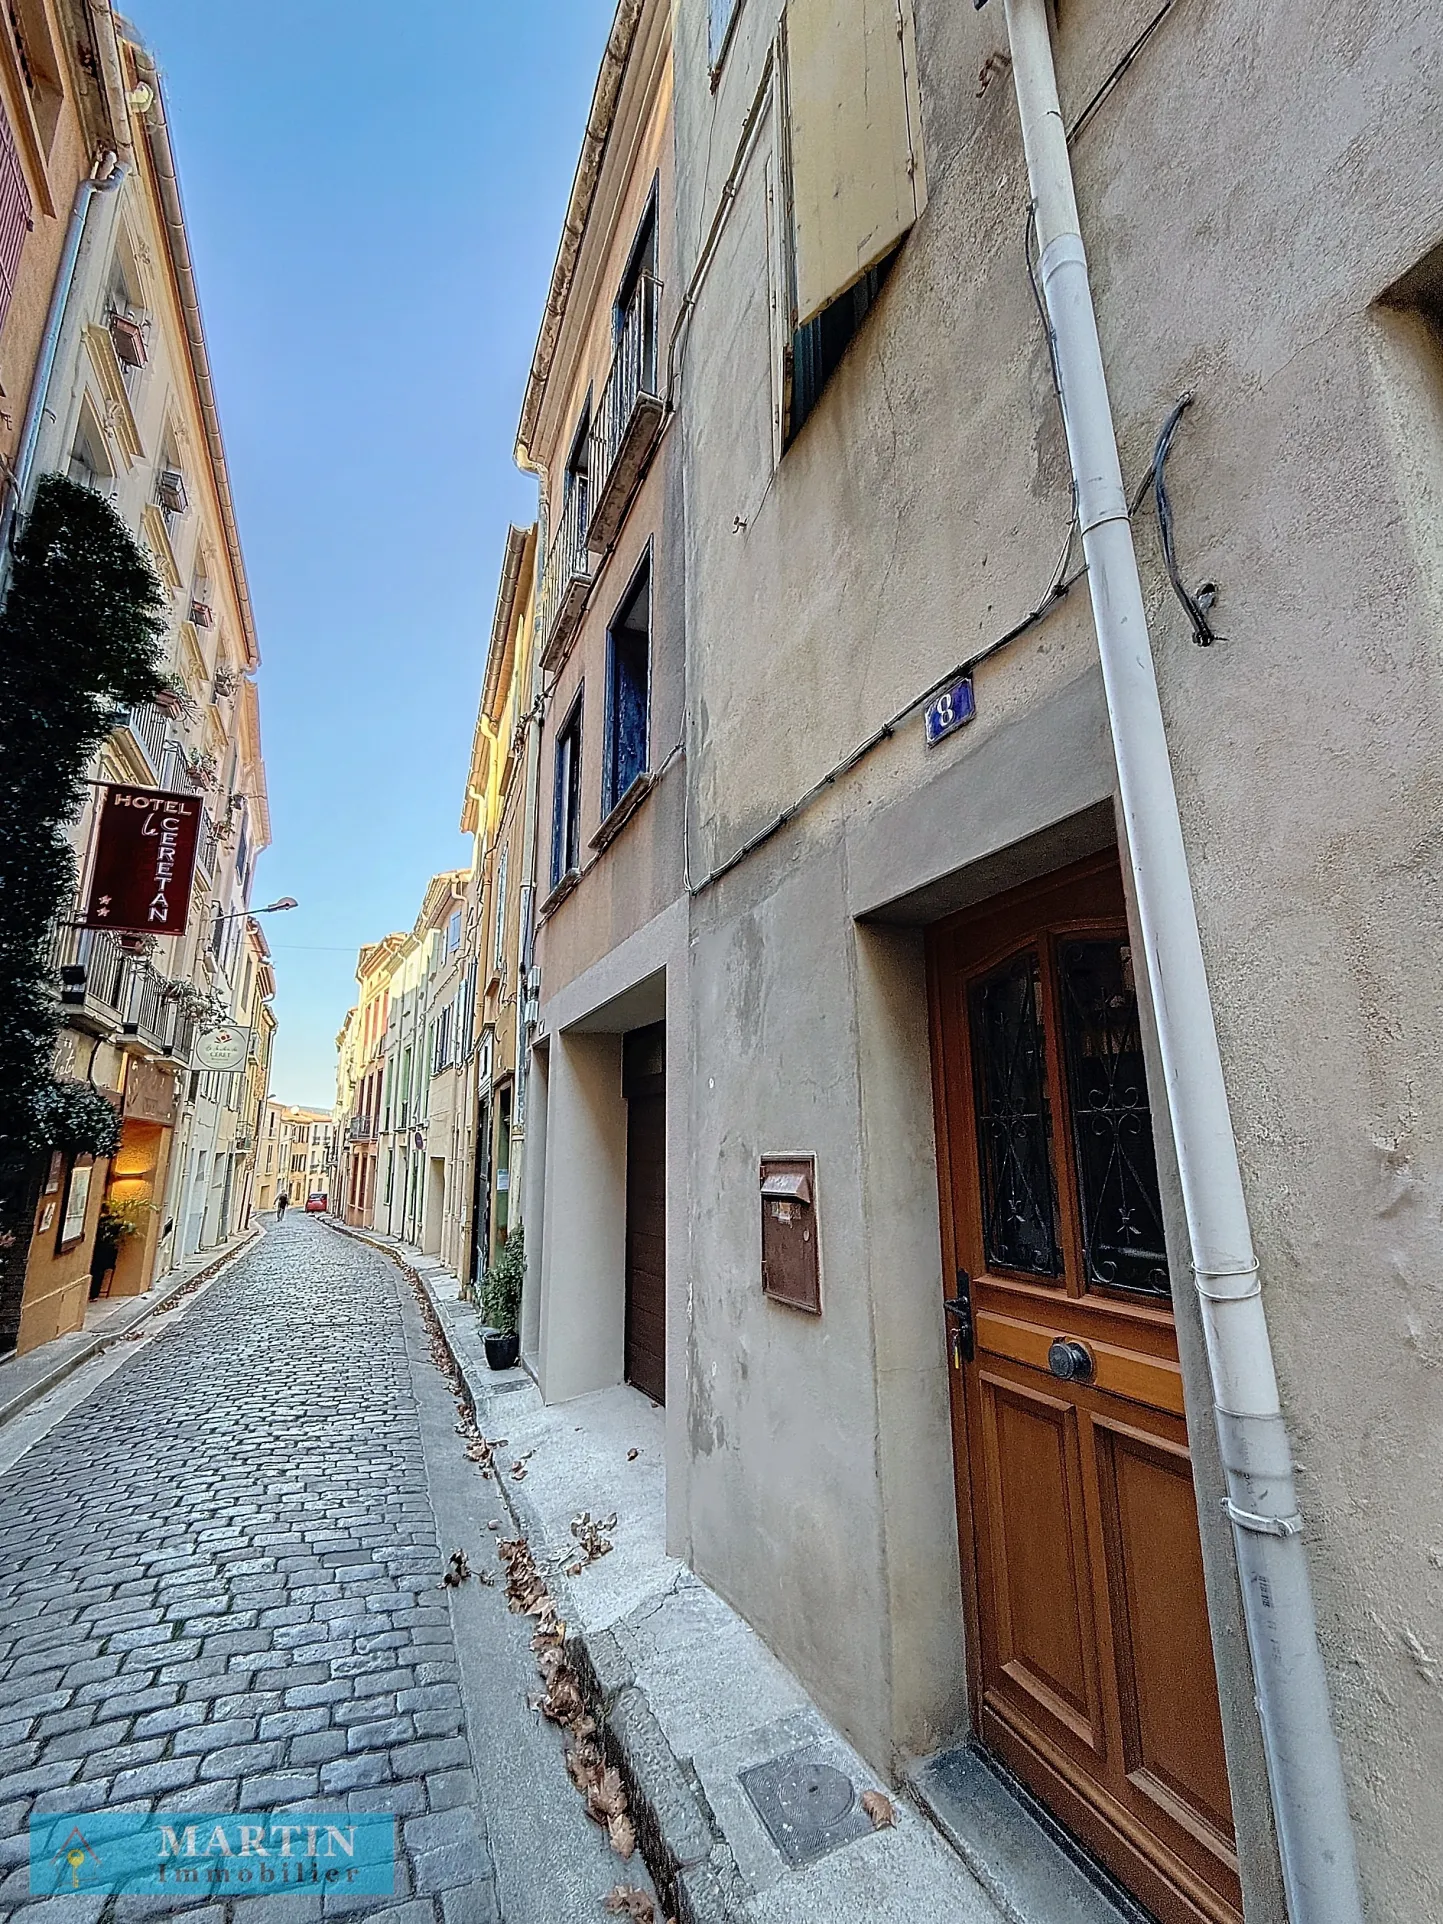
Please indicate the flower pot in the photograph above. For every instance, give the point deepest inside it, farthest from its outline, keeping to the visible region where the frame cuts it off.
(503, 1349)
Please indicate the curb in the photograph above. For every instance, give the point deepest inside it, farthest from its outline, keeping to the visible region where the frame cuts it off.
(42, 1386)
(680, 1843)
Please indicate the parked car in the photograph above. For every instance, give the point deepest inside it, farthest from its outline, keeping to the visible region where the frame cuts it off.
(317, 1203)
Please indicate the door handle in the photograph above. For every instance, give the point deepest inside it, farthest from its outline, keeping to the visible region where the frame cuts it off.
(1071, 1361)
(961, 1328)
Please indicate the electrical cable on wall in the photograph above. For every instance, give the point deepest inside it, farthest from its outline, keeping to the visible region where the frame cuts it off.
(1194, 606)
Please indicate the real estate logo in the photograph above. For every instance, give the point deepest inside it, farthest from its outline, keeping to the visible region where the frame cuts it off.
(190, 1854)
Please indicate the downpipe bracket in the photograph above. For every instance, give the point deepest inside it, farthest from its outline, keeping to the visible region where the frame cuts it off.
(1264, 1526)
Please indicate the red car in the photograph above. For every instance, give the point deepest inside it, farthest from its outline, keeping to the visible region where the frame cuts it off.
(316, 1203)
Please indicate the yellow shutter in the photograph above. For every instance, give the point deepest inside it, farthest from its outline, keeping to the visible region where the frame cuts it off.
(857, 180)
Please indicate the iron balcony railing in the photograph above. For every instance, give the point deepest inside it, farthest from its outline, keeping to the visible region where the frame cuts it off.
(148, 725)
(568, 562)
(628, 414)
(113, 989)
(361, 1129)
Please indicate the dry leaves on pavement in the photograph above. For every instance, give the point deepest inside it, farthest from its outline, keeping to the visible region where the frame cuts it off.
(880, 1809)
(626, 1900)
(457, 1570)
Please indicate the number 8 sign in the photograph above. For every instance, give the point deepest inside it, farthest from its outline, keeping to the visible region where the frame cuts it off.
(950, 710)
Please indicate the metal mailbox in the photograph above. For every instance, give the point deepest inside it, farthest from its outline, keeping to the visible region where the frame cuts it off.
(791, 1266)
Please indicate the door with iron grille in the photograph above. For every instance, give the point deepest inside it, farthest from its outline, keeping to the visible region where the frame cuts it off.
(1091, 1660)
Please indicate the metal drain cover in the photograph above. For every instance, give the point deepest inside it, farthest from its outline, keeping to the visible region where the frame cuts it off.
(808, 1806)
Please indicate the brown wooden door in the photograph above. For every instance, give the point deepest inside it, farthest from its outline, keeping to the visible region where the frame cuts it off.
(1092, 1665)
(645, 1084)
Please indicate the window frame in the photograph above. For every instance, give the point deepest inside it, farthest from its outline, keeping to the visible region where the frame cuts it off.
(614, 794)
(566, 817)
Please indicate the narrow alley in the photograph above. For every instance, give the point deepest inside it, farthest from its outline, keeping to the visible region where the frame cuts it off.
(221, 1590)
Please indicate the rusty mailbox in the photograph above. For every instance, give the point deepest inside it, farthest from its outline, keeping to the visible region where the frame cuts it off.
(791, 1267)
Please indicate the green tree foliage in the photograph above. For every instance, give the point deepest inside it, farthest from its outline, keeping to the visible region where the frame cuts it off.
(80, 638)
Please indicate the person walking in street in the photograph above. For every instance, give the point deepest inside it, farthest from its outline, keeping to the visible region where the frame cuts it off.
(282, 1203)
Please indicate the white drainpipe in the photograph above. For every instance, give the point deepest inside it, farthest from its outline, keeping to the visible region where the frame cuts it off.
(1310, 1806)
(103, 178)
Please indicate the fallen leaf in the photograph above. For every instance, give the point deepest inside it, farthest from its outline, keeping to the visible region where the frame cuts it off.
(457, 1570)
(632, 1455)
(626, 1900)
(879, 1809)
(622, 1833)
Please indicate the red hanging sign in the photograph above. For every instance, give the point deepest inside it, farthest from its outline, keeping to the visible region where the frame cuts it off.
(144, 857)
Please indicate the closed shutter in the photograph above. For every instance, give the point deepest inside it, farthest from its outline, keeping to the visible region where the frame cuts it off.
(16, 215)
(854, 145)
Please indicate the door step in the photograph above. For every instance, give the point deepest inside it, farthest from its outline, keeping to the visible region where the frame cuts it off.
(1031, 1868)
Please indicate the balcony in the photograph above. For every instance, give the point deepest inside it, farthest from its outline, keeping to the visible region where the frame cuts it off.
(566, 581)
(148, 727)
(628, 416)
(95, 978)
(105, 990)
(361, 1129)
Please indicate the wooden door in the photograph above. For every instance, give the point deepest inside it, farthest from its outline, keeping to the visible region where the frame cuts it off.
(645, 1082)
(1092, 1666)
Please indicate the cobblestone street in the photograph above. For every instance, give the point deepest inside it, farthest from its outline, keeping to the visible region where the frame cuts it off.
(219, 1589)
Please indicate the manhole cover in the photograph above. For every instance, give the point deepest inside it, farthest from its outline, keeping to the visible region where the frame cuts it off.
(808, 1806)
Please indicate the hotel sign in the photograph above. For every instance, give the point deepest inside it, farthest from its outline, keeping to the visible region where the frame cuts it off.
(144, 857)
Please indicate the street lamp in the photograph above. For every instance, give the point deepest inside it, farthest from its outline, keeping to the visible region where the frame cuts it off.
(272, 908)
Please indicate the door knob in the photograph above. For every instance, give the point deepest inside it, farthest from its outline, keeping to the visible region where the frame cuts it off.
(1070, 1360)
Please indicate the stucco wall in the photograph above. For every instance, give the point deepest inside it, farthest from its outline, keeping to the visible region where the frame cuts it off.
(1255, 184)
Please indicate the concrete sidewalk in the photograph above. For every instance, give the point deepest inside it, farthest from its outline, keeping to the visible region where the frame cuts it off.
(110, 1319)
(695, 1705)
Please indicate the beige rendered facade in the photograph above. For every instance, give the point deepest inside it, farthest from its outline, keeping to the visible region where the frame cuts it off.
(877, 493)
(142, 430)
(296, 1155)
(499, 812)
(606, 1250)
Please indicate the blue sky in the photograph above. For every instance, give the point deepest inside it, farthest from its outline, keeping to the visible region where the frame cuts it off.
(374, 195)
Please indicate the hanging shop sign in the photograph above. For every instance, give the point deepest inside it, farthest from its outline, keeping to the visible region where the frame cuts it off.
(222, 1051)
(144, 859)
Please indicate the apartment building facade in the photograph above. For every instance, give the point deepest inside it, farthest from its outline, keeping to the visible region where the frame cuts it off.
(124, 403)
(296, 1157)
(499, 813)
(605, 1175)
(949, 1405)
(360, 1077)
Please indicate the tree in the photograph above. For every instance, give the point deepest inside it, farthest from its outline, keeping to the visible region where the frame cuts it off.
(80, 643)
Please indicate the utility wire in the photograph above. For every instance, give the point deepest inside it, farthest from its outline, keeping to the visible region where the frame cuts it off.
(1120, 69)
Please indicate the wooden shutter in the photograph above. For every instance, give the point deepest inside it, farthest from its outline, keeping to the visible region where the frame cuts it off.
(16, 215)
(857, 179)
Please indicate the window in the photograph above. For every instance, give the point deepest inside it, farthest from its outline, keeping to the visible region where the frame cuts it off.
(38, 66)
(16, 215)
(441, 1040)
(854, 178)
(628, 685)
(90, 464)
(566, 803)
(498, 958)
(818, 347)
(634, 317)
(723, 13)
(576, 484)
(453, 932)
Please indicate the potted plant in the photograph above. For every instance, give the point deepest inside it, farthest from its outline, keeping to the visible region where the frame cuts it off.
(501, 1302)
(119, 1221)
